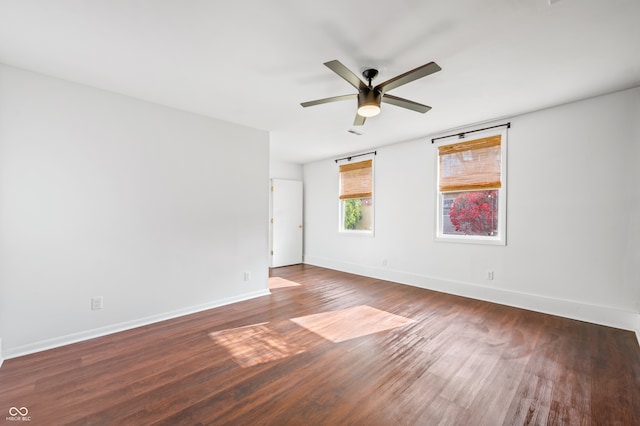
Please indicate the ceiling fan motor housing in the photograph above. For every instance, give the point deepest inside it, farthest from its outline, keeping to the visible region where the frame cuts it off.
(369, 102)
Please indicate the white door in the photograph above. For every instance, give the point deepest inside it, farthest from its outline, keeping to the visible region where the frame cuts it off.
(286, 222)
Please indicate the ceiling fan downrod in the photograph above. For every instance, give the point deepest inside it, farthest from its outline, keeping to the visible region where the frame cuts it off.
(370, 74)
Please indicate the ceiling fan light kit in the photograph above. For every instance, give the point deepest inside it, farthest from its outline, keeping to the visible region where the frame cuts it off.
(369, 103)
(369, 97)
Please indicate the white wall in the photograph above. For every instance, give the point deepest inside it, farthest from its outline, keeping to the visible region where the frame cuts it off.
(157, 210)
(573, 237)
(285, 170)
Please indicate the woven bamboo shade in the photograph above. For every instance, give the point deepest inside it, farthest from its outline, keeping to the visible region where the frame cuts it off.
(356, 180)
(471, 165)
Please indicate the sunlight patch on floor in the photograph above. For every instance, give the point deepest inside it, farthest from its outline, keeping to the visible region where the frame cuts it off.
(278, 282)
(259, 343)
(350, 323)
(255, 344)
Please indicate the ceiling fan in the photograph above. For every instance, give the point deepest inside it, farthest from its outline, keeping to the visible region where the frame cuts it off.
(369, 97)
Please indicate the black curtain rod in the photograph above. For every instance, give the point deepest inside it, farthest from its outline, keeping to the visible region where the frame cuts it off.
(462, 134)
(357, 155)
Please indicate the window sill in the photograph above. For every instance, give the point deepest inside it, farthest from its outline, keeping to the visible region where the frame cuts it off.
(356, 233)
(470, 239)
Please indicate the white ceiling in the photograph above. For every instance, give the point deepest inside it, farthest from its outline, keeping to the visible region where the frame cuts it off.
(253, 62)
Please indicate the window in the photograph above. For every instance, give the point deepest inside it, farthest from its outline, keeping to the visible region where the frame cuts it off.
(472, 190)
(356, 197)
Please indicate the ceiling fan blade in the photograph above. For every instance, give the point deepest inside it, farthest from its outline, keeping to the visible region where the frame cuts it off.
(344, 72)
(327, 100)
(408, 77)
(405, 103)
(359, 121)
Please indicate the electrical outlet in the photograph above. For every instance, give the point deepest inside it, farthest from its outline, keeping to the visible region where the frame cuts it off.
(96, 303)
(247, 276)
(489, 275)
(384, 262)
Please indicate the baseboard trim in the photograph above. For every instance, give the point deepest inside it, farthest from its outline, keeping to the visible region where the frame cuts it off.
(596, 314)
(123, 326)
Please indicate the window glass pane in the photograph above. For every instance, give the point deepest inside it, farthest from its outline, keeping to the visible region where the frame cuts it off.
(470, 213)
(357, 214)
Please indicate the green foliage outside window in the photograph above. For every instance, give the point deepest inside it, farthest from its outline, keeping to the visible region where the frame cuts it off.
(352, 212)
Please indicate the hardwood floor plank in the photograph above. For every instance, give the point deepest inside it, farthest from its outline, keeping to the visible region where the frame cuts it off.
(338, 349)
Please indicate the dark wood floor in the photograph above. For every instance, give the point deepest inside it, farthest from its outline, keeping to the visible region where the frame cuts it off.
(329, 348)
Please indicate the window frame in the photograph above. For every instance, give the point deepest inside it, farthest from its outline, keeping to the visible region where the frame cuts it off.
(360, 232)
(501, 238)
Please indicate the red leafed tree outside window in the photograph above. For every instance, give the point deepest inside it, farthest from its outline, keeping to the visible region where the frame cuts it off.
(475, 212)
